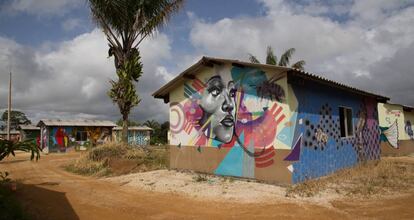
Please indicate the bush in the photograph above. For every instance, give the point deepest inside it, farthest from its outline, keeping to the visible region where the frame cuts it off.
(116, 158)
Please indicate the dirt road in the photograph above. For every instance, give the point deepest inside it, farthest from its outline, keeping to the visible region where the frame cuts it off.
(49, 192)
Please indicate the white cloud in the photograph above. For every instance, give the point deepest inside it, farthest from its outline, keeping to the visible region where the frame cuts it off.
(72, 78)
(337, 50)
(72, 24)
(43, 7)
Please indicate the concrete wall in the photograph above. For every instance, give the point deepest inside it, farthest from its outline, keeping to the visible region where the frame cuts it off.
(252, 123)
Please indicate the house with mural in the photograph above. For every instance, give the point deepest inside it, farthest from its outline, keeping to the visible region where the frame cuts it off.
(271, 123)
(137, 135)
(58, 135)
(396, 124)
(30, 132)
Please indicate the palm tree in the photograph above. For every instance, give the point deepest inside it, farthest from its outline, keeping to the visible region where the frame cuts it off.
(271, 59)
(126, 23)
(152, 124)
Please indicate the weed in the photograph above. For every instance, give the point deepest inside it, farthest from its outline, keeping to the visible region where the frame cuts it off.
(200, 177)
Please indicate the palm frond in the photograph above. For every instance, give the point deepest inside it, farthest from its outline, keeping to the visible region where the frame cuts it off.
(271, 59)
(299, 65)
(157, 13)
(253, 59)
(9, 147)
(285, 58)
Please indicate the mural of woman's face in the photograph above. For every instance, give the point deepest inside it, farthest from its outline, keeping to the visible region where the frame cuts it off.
(218, 106)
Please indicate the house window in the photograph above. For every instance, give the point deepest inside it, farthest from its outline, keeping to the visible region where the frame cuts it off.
(345, 118)
(81, 136)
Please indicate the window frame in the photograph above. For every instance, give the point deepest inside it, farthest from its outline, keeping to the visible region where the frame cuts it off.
(346, 108)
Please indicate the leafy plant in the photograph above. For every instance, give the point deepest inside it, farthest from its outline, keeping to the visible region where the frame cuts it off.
(9, 147)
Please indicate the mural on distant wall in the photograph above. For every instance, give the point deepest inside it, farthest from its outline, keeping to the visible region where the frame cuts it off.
(240, 111)
(136, 137)
(409, 130)
(390, 134)
(62, 138)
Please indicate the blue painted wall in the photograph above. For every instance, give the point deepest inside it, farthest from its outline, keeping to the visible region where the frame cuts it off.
(318, 112)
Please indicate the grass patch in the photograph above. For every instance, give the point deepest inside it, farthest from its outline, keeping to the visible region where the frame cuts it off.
(366, 180)
(117, 159)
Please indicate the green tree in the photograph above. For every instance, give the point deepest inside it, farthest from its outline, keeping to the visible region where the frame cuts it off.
(16, 118)
(126, 23)
(271, 59)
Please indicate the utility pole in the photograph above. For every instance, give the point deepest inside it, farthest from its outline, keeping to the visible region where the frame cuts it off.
(9, 108)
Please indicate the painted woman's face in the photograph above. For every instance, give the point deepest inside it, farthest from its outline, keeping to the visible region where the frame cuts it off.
(218, 105)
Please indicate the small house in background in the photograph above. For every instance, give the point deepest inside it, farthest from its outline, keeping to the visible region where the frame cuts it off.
(137, 135)
(397, 125)
(62, 135)
(266, 122)
(14, 135)
(30, 132)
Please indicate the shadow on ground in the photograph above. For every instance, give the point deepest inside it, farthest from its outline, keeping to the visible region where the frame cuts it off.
(49, 204)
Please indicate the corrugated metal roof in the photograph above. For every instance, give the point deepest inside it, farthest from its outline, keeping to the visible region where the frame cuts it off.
(28, 127)
(76, 122)
(209, 61)
(135, 128)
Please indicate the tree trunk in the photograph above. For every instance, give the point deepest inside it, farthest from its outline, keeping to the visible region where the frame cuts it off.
(125, 129)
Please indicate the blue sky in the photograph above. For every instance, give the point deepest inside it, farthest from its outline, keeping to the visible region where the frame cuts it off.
(61, 69)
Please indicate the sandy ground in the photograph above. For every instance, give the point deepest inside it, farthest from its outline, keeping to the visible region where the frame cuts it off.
(213, 188)
(49, 192)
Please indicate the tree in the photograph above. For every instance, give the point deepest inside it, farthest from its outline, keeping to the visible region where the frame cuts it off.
(152, 124)
(271, 59)
(130, 123)
(126, 23)
(160, 131)
(16, 118)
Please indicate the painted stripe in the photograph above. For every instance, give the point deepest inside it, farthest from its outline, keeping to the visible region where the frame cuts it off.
(266, 164)
(280, 119)
(278, 111)
(266, 157)
(189, 88)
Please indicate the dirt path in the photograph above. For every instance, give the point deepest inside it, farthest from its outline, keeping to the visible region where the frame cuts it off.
(48, 192)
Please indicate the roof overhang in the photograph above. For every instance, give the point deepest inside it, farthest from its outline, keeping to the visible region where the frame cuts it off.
(163, 92)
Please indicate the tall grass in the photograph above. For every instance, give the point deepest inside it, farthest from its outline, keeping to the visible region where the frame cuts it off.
(371, 178)
(99, 161)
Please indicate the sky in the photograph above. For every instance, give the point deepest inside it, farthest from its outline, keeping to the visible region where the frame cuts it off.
(60, 67)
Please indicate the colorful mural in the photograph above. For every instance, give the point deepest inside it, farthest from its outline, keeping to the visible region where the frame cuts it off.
(409, 130)
(135, 137)
(262, 123)
(240, 110)
(324, 149)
